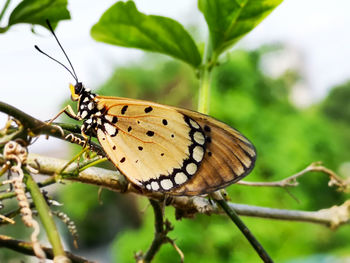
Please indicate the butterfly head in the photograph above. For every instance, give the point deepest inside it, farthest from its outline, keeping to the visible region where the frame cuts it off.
(76, 90)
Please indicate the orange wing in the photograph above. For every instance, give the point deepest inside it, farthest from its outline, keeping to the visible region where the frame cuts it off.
(173, 150)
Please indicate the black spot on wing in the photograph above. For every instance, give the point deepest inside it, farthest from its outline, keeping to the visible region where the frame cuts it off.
(124, 109)
(115, 119)
(150, 133)
(148, 109)
(116, 132)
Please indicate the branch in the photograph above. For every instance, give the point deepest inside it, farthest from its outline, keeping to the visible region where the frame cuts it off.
(26, 248)
(35, 127)
(188, 206)
(245, 230)
(160, 235)
(332, 217)
(335, 180)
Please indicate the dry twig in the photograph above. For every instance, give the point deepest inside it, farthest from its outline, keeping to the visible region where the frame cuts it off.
(291, 181)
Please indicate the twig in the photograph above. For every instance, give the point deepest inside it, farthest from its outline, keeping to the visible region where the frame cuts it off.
(48, 181)
(159, 234)
(109, 179)
(245, 230)
(291, 181)
(35, 127)
(332, 217)
(26, 248)
(6, 219)
(178, 250)
(162, 229)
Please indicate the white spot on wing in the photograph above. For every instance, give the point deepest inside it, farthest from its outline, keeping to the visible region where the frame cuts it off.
(180, 178)
(155, 186)
(110, 128)
(148, 186)
(198, 153)
(109, 118)
(86, 99)
(191, 168)
(166, 184)
(199, 137)
(194, 124)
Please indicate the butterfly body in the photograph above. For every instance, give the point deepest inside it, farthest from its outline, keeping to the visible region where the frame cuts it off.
(162, 148)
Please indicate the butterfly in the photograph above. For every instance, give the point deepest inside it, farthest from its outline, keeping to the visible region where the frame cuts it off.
(161, 148)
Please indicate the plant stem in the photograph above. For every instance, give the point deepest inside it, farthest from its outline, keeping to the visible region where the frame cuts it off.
(45, 216)
(205, 79)
(204, 92)
(6, 5)
(244, 229)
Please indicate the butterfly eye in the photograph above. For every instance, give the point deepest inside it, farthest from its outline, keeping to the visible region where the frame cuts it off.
(78, 88)
(74, 93)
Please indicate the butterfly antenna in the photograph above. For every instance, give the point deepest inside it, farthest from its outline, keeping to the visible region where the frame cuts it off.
(64, 52)
(42, 52)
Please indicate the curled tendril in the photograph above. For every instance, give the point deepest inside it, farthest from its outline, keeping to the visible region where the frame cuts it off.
(13, 151)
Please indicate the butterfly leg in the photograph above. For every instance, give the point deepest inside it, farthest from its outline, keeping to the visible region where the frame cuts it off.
(72, 160)
(68, 111)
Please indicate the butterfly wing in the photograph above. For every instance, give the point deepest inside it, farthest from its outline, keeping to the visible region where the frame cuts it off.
(228, 158)
(172, 150)
(155, 146)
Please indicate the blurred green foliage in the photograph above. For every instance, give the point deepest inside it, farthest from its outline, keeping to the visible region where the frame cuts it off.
(336, 106)
(287, 140)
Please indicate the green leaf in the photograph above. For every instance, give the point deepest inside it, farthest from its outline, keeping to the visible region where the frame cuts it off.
(38, 11)
(230, 20)
(123, 25)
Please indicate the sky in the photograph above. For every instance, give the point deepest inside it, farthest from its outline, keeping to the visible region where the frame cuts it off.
(317, 30)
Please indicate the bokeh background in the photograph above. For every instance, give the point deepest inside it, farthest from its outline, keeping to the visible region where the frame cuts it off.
(285, 86)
